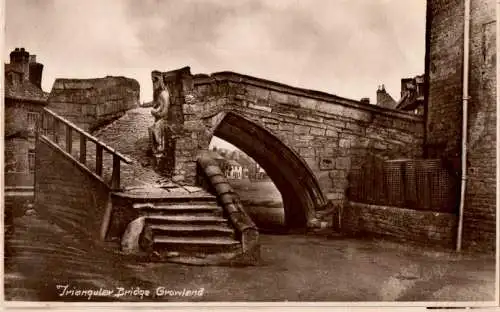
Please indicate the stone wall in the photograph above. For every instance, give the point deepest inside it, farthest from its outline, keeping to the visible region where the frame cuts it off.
(480, 209)
(445, 54)
(90, 103)
(67, 193)
(330, 134)
(430, 228)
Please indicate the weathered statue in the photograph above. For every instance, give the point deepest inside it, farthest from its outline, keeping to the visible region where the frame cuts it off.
(161, 104)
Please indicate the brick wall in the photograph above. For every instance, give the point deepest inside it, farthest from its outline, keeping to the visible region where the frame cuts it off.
(67, 194)
(92, 102)
(445, 56)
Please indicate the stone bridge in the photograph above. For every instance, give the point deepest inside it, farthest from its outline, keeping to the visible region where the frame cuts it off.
(307, 141)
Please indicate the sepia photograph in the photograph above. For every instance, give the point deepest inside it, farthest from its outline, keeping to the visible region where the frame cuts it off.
(251, 152)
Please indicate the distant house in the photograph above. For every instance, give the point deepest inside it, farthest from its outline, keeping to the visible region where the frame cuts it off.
(234, 170)
(24, 100)
(246, 163)
(384, 99)
(230, 161)
(260, 173)
(412, 95)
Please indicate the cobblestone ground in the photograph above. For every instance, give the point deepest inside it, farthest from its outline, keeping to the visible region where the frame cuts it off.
(293, 268)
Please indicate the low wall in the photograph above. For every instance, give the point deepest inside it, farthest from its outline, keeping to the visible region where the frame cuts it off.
(90, 103)
(67, 193)
(431, 228)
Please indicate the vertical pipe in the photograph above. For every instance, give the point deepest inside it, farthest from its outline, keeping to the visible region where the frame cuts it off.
(498, 151)
(465, 100)
(428, 27)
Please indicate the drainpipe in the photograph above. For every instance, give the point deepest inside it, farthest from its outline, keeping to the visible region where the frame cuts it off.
(465, 100)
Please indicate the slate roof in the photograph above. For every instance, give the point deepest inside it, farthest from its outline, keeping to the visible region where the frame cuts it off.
(410, 102)
(24, 90)
(233, 163)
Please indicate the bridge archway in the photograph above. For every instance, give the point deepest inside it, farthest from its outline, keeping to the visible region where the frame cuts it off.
(297, 184)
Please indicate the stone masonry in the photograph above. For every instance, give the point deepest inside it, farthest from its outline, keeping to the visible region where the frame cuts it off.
(444, 113)
(90, 103)
(330, 135)
(429, 228)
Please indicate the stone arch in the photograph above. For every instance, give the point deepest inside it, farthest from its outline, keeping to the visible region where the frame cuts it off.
(300, 191)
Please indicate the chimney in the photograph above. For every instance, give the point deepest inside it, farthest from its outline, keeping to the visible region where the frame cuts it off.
(365, 100)
(35, 74)
(381, 94)
(21, 60)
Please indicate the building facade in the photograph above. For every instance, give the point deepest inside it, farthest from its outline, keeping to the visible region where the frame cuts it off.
(234, 170)
(412, 95)
(24, 99)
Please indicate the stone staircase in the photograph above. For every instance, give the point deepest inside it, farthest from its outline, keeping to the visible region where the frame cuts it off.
(189, 226)
(166, 224)
(152, 217)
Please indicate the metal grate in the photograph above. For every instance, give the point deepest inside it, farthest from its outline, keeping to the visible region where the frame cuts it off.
(420, 184)
(394, 182)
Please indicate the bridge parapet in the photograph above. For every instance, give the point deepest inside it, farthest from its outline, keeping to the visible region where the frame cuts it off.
(331, 135)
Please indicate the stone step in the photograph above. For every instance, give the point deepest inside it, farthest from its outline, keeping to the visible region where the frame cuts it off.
(203, 230)
(185, 205)
(195, 244)
(180, 208)
(187, 219)
(148, 197)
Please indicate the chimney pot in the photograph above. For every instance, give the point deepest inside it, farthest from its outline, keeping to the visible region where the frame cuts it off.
(365, 100)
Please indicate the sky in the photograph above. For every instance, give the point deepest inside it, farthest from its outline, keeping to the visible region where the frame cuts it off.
(343, 47)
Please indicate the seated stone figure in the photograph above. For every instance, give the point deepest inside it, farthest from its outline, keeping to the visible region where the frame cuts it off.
(161, 100)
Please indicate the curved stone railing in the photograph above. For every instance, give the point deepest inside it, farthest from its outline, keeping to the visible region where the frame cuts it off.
(213, 179)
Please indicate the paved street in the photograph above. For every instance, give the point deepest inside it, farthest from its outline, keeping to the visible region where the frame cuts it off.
(39, 256)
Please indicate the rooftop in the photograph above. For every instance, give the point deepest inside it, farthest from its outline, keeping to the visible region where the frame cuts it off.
(233, 163)
(24, 90)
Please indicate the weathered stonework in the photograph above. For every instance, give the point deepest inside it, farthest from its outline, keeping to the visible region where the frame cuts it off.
(67, 194)
(444, 126)
(90, 103)
(329, 135)
(430, 228)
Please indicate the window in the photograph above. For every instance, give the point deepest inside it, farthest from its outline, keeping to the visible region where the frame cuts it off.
(32, 119)
(31, 160)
